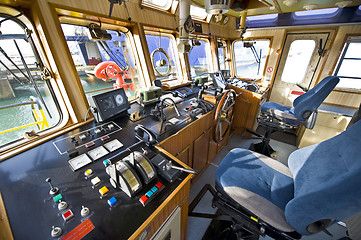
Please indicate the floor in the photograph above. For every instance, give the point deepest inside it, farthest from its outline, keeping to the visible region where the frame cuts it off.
(198, 226)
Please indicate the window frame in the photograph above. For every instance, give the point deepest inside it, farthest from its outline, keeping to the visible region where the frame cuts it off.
(234, 57)
(170, 8)
(210, 58)
(112, 27)
(177, 60)
(206, 19)
(343, 52)
(21, 144)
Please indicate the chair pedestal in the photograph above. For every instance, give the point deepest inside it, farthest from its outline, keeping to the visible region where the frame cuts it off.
(264, 147)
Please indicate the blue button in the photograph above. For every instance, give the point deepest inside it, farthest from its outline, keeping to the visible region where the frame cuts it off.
(154, 189)
(106, 163)
(149, 193)
(112, 201)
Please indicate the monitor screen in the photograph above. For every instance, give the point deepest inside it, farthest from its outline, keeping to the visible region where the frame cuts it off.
(218, 80)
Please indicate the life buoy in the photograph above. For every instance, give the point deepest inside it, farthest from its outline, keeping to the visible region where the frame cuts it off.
(108, 69)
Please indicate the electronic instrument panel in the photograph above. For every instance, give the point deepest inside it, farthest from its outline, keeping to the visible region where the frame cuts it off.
(64, 189)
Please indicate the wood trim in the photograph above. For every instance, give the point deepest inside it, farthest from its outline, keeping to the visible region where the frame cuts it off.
(179, 195)
(5, 229)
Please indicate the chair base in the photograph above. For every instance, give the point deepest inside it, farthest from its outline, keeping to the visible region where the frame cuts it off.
(242, 222)
(262, 147)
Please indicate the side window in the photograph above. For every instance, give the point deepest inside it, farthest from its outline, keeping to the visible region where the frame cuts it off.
(297, 62)
(26, 100)
(348, 66)
(250, 58)
(161, 4)
(222, 55)
(165, 60)
(200, 58)
(103, 65)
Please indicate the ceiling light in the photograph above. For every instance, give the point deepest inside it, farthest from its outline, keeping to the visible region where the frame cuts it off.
(343, 4)
(310, 6)
(289, 3)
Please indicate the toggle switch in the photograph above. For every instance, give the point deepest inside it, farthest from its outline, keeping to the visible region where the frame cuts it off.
(84, 211)
(53, 190)
(56, 232)
(62, 205)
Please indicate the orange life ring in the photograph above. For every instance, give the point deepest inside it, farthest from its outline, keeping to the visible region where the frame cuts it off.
(106, 70)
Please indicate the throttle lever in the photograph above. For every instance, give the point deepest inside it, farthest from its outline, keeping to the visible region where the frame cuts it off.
(169, 166)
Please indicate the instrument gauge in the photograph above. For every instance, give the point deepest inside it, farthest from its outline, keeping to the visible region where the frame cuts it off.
(119, 100)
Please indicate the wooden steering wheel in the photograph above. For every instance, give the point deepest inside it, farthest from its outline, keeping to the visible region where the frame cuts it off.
(224, 115)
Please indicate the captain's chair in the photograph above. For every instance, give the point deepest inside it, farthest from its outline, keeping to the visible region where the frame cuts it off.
(279, 117)
(320, 186)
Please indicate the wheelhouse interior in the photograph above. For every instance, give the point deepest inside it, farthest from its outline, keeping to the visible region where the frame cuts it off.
(126, 119)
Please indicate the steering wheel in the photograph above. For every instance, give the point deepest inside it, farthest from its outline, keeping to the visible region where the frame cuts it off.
(224, 115)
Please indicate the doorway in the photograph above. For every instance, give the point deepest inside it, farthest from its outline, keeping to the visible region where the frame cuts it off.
(299, 65)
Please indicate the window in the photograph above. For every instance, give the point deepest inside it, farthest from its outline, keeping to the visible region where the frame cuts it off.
(317, 13)
(87, 54)
(165, 60)
(297, 61)
(222, 55)
(26, 100)
(199, 13)
(348, 66)
(158, 4)
(265, 17)
(250, 58)
(200, 58)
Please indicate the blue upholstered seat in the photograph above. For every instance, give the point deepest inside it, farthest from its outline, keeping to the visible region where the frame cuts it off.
(322, 182)
(303, 106)
(279, 117)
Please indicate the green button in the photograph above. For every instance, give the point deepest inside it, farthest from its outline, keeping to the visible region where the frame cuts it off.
(58, 198)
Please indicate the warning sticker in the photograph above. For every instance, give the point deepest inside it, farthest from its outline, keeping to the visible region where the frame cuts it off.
(270, 69)
(80, 231)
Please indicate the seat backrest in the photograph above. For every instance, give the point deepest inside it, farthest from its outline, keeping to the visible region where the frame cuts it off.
(308, 102)
(327, 182)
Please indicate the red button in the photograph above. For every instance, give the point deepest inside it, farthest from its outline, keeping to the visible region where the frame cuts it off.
(143, 199)
(67, 215)
(159, 185)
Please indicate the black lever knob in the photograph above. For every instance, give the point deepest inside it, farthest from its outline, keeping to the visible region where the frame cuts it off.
(53, 190)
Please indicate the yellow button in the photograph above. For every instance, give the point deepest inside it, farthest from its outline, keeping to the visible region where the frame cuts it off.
(88, 172)
(103, 191)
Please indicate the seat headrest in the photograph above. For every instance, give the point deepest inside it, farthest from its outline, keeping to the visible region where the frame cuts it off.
(308, 102)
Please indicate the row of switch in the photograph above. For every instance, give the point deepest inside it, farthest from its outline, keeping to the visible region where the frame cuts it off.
(88, 133)
(103, 191)
(145, 199)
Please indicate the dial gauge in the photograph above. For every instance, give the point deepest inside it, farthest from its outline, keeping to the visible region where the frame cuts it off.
(79, 162)
(113, 145)
(97, 153)
(119, 100)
